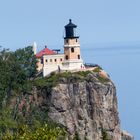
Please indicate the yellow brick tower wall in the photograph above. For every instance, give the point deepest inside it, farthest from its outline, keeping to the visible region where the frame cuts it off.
(70, 44)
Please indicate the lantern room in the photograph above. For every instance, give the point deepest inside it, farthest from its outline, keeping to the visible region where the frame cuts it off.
(70, 30)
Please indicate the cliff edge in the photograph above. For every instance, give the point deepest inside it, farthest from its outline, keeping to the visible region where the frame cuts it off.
(87, 107)
(85, 103)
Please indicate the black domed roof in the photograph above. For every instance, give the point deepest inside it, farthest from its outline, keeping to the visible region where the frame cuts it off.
(70, 24)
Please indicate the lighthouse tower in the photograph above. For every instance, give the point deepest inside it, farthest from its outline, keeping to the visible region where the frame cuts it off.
(72, 55)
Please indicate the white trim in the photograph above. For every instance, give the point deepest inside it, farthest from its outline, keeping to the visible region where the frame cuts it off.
(72, 45)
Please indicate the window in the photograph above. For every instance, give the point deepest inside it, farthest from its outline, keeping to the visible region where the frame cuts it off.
(78, 56)
(46, 60)
(67, 41)
(76, 40)
(55, 60)
(50, 60)
(61, 59)
(72, 49)
(41, 60)
(67, 57)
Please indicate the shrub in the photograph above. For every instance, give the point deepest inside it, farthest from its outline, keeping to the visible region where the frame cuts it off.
(44, 132)
(102, 79)
(83, 73)
(105, 135)
(97, 70)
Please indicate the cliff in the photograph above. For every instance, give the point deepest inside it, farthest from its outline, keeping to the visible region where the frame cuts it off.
(85, 103)
(86, 108)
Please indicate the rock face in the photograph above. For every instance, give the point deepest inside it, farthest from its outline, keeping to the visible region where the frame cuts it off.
(85, 108)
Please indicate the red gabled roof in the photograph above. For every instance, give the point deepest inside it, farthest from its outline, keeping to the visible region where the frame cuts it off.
(45, 51)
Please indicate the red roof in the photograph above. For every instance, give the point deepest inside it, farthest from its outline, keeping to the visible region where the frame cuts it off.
(45, 51)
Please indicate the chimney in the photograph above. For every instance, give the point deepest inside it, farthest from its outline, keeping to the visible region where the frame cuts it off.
(34, 48)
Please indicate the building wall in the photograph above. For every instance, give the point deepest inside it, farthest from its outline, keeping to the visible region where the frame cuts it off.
(57, 62)
(70, 54)
(71, 42)
(52, 63)
(39, 64)
(55, 59)
(72, 48)
(73, 64)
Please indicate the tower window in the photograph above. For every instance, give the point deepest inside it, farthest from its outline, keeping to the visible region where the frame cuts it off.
(78, 56)
(46, 60)
(76, 40)
(60, 59)
(50, 60)
(67, 41)
(41, 60)
(67, 57)
(72, 49)
(55, 60)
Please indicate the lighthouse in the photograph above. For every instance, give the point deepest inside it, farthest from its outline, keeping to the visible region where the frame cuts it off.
(72, 55)
(49, 61)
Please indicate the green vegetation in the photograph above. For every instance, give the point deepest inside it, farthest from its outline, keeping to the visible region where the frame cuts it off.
(98, 69)
(43, 132)
(105, 135)
(17, 78)
(26, 60)
(83, 73)
(52, 80)
(16, 68)
(17, 72)
(55, 78)
(21, 129)
(102, 79)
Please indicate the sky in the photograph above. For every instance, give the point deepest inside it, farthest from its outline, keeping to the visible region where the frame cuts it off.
(99, 21)
(110, 28)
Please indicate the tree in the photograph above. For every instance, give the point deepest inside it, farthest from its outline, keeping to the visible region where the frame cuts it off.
(6, 73)
(16, 69)
(27, 61)
(4, 54)
(44, 132)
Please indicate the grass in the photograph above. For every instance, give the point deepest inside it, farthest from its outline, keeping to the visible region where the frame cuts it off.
(102, 79)
(50, 81)
(97, 69)
(55, 78)
(83, 73)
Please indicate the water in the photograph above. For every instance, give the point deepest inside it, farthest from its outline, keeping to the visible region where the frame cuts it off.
(122, 64)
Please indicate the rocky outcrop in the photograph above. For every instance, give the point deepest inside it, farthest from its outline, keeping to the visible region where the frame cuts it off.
(86, 108)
